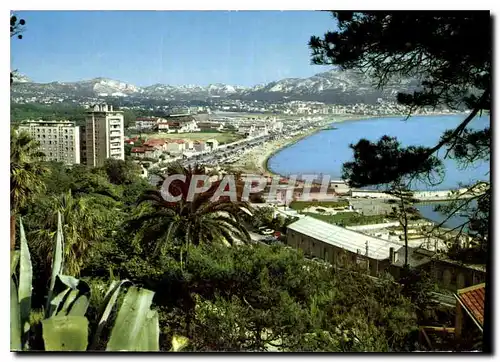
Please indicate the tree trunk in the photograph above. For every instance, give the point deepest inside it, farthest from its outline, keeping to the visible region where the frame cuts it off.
(12, 232)
(405, 230)
(403, 217)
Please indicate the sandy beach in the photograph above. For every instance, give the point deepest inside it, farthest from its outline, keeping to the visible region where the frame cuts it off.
(255, 160)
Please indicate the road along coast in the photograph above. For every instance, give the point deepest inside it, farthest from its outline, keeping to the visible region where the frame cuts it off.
(256, 160)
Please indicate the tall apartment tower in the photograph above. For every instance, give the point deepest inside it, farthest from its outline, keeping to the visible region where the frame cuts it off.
(104, 134)
(59, 140)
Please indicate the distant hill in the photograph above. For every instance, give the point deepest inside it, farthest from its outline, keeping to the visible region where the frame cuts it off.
(335, 86)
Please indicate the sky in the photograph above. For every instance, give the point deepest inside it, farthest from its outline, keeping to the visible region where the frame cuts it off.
(170, 47)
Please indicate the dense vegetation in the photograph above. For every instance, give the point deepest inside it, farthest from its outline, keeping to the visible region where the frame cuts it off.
(451, 53)
(249, 297)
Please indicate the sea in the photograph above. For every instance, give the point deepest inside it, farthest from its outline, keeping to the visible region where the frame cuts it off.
(324, 152)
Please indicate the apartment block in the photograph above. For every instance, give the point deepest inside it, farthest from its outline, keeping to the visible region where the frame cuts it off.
(104, 134)
(83, 145)
(59, 140)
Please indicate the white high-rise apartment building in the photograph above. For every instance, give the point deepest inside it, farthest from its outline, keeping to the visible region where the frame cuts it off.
(59, 140)
(104, 134)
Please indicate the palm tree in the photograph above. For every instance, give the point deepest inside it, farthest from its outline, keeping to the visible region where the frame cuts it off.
(26, 175)
(81, 224)
(194, 222)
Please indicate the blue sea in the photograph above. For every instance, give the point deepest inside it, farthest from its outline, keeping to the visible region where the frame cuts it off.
(325, 152)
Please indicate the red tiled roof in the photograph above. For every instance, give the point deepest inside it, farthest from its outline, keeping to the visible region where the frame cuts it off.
(472, 299)
(155, 142)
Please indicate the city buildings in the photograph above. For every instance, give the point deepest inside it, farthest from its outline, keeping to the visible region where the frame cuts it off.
(104, 134)
(147, 123)
(59, 140)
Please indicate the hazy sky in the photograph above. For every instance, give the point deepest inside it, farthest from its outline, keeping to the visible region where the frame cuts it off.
(174, 47)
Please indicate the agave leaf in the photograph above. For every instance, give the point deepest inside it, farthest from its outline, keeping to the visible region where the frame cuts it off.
(56, 301)
(70, 298)
(15, 320)
(149, 339)
(57, 259)
(14, 260)
(68, 333)
(179, 343)
(25, 280)
(130, 320)
(80, 306)
(107, 306)
(69, 281)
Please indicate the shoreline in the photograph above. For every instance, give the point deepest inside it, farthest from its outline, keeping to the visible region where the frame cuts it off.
(265, 161)
(257, 160)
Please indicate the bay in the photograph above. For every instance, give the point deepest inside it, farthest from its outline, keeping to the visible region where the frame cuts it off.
(325, 151)
(428, 212)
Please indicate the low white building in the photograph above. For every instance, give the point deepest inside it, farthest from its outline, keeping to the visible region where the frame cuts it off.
(147, 123)
(201, 146)
(276, 126)
(176, 146)
(213, 143)
(340, 246)
(261, 130)
(246, 129)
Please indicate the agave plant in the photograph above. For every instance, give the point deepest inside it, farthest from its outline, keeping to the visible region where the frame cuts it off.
(65, 326)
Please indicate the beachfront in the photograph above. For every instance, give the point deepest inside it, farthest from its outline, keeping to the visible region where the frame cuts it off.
(256, 159)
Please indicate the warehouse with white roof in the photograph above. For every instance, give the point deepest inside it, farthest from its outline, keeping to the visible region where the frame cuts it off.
(339, 246)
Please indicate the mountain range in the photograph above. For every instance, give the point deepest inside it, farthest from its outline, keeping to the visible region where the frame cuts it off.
(335, 86)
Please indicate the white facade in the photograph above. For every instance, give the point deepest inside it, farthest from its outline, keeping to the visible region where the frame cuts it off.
(147, 123)
(213, 143)
(200, 146)
(176, 146)
(246, 129)
(252, 130)
(59, 140)
(276, 126)
(104, 135)
(374, 248)
(186, 127)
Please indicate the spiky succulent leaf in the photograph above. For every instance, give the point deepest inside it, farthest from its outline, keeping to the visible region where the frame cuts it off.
(25, 280)
(57, 260)
(80, 306)
(56, 302)
(106, 308)
(15, 320)
(130, 320)
(70, 298)
(149, 339)
(68, 333)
